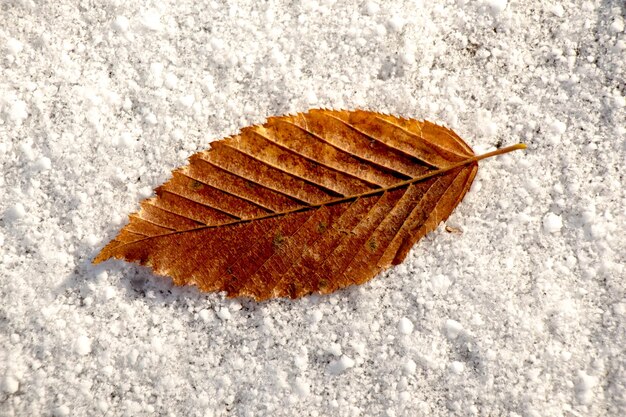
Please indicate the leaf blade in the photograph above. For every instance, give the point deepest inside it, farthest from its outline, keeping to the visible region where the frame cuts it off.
(307, 203)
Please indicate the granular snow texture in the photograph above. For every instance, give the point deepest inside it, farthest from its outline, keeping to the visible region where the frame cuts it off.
(523, 313)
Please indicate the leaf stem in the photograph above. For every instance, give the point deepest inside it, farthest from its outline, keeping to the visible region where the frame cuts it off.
(434, 173)
(501, 151)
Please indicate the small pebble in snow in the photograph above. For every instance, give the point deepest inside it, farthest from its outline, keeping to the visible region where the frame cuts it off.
(453, 328)
(120, 24)
(82, 345)
(15, 213)
(224, 313)
(552, 223)
(457, 367)
(405, 326)
(340, 365)
(10, 385)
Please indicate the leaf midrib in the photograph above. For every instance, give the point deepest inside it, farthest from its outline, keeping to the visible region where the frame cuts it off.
(339, 200)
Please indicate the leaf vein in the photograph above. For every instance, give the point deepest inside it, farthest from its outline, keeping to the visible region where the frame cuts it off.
(284, 171)
(247, 200)
(234, 216)
(282, 192)
(317, 161)
(347, 152)
(378, 140)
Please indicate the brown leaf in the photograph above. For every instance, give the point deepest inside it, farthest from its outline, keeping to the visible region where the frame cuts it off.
(303, 204)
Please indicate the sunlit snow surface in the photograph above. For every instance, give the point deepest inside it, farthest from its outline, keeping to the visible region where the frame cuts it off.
(523, 313)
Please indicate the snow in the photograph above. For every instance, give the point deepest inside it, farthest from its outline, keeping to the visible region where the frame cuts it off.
(410, 366)
(552, 223)
(334, 349)
(120, 24)
(42, 164)
(440, 283)
(395, 23)
(9, 384)
(340, 365)
(557, 127)
(617, 25)
(405, 326)
(558, 10)
(151, 20)
(16, 111)
(457, 367)
(522, 311)
(453, 328)
(14, 46)
(14, 213)
(584, 387)
(61, 411)
(224, 314)
(301, 387)
(497, 6)
(205, 315)
(82, 345)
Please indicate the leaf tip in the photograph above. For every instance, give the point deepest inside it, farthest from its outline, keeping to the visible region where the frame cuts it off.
(105, 253)
(98, 259)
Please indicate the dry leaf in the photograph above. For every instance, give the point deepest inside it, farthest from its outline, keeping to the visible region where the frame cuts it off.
(303, 204)
(455, 230)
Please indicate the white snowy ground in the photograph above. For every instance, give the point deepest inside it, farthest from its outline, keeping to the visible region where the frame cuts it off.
(522, 314)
